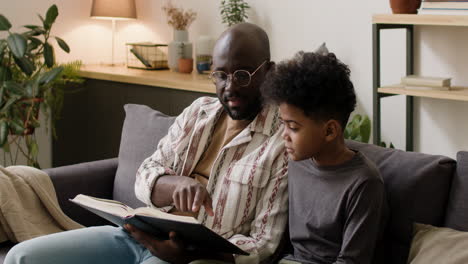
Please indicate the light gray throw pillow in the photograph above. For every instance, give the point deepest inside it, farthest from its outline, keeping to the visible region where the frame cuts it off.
(142, 129)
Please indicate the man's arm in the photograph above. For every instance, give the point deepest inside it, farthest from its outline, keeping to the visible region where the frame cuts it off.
(163, 162)
(270, 217)
(363, 223)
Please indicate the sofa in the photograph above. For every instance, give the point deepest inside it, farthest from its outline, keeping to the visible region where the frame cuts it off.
(422, 188)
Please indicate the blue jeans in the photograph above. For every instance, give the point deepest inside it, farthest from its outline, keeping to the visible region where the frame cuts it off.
(92, 245)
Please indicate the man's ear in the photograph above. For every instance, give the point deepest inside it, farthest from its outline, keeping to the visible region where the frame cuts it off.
(332, 130)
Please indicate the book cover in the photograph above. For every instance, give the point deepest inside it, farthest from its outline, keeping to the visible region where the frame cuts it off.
(158, 223)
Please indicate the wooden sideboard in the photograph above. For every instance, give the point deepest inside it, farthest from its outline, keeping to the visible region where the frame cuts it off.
(92, 117)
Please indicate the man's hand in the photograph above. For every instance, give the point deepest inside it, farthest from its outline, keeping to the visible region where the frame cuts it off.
(172, 250)
(189, 195)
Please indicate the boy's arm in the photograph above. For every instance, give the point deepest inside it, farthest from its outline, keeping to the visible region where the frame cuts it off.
(363, 223)
(271, 216)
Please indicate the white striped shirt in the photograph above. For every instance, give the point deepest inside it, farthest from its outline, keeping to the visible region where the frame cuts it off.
(248, 180)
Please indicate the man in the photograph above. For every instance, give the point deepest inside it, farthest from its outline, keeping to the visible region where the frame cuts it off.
(223, 161)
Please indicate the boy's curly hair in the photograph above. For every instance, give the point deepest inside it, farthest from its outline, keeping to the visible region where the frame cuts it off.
(317, 84)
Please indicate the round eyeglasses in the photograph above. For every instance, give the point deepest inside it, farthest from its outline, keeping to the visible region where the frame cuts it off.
(239, 77)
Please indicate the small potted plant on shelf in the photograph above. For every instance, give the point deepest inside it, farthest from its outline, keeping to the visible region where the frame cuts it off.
(180, 20)
(30, 82)
(234, 11)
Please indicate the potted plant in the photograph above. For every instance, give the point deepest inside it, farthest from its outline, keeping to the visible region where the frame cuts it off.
(180, 20)
(30, 82)
(234, 11)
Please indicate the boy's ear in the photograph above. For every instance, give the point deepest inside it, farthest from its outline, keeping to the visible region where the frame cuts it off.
(332, 130)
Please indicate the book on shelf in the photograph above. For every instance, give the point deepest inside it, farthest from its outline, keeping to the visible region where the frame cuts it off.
(442, 7)
(427, 88)
(417, 80)
(158, 223)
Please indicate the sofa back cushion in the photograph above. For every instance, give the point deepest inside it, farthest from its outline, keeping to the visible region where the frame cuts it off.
(457, 209)
(417, 187)
(142, 129)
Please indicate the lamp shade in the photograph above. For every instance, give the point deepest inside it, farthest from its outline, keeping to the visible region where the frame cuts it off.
(114, 9)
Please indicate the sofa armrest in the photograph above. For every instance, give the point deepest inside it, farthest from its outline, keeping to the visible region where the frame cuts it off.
(94, 178)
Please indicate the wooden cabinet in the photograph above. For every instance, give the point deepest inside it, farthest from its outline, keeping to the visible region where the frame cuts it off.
(407, 22)
(92, 118)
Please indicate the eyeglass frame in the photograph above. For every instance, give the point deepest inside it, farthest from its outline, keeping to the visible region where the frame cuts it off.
(230, 75)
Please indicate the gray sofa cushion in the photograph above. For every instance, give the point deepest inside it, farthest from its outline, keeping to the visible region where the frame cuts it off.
(457, 209)
(417, 187)
(142, 129)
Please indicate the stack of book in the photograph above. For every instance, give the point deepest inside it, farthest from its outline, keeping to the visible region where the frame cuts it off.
(444, 7)
(416, 82)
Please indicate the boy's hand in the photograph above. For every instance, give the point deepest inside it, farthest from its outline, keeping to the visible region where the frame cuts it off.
(189, 195)
(171, 250)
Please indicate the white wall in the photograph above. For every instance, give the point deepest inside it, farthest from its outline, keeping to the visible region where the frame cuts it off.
(292, 25)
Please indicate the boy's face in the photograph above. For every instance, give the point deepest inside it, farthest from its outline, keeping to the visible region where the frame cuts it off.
(304, 137)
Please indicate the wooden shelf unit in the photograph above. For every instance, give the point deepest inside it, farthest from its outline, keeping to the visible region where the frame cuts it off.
(404, 21)
(456, 93)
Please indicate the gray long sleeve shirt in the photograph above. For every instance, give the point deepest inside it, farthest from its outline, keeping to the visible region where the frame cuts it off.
(336, 213)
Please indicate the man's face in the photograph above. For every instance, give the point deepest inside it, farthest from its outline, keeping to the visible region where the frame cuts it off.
(240, 102)
(303, 137)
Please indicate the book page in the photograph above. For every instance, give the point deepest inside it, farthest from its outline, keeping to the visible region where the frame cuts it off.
(109, 206)
(147, 211)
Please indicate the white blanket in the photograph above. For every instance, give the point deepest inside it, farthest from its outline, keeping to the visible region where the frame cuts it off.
(29, 206)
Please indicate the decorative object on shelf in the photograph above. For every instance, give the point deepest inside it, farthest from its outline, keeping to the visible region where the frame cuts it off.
(405, 6)
(234, 11)
(30, 82)
(417, 82)
(146, 55)
(180, 20)
(113, 10)
(444, 7)
(204, 49)
(185, 65)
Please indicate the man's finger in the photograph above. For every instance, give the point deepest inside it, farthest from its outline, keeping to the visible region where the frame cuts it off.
(189, 200)
(198, 200)
(176, 199)
(183, 200)
(208, 205)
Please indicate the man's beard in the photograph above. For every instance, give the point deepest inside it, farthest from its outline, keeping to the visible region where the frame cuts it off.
(249, 113)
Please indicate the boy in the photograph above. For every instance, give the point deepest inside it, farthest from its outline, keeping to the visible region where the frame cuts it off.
(336, 195)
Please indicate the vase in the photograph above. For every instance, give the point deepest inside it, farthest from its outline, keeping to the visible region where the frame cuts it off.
(185, 65)
(204, 49)
(179, 48)
(405, 6)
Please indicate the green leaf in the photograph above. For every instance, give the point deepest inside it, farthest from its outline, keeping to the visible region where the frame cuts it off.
(2, 91)
(14, 88)
(31, 26)
(48, 55)
(365, 129)
(45, 78)
(10, 101)
(25, 65)
(17, 127)
(17, 44)
(32, 89)
(63, 44)
(5, 74)
(3, 133)
(4, 23)
(51, 15)
(36, 41)
(42, 19)
(33, 149)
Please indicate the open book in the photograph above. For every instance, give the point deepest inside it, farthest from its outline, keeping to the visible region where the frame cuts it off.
(158, 224)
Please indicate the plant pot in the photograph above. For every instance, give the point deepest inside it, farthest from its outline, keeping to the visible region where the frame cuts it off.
(185, 65)
(405, 6)
(180, 47)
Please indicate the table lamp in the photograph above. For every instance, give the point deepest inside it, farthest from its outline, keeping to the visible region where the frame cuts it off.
(113, 10)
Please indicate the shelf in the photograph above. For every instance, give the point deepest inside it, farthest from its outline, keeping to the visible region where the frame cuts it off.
(456, 93)
(430, 20)
(159, 78)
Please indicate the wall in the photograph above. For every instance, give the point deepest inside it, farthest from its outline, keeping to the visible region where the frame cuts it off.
(292, 25)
